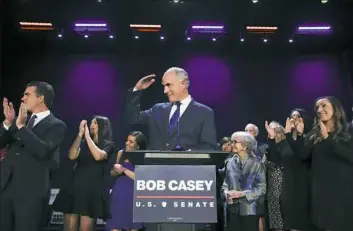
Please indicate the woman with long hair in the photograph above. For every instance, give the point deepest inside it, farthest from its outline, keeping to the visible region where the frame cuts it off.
(122, 194)
(329, 147)
(85, 198)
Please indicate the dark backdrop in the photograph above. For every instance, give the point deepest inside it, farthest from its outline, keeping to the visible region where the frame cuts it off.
(241, 85)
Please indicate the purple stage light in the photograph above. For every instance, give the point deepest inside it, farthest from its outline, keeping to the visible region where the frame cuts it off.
(91, 26)
(208, 29)
(311, 29)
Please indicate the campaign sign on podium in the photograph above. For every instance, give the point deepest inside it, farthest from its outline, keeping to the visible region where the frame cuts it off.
(175, 193)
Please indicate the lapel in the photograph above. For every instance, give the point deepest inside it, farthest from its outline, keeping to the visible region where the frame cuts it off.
(43, 124)
(187, 111)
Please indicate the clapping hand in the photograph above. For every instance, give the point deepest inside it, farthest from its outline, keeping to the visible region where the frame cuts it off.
(22, 116)
(81, 131)
(87, 133)
(270, 131)
(289, 125)
(299, 126)
(119, 168)
(323, 130)
(145, 82)
(9, 112)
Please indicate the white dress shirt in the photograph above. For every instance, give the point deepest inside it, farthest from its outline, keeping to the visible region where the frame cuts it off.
(40, 117)
(183, 105)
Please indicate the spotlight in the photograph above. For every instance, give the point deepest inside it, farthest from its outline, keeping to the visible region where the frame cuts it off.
(86, 36)
(242, 40)
(265, 40)
(324, 1)
(136, 37)
(214, 39)
(162, 37)
(111, 36)
(255, 1)
(188, 38)
(60, 35)
(291, 40)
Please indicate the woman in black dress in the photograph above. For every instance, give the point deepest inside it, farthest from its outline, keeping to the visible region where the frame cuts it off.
(294, 197)
(85, 199)
(329, 146)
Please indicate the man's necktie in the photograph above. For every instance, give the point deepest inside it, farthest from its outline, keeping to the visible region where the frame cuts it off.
(30, 123)
(174, 120)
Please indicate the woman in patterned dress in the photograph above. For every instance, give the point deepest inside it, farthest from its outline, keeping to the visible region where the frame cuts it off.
(274, 183)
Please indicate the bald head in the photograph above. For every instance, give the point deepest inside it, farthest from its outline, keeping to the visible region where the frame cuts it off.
(252, 129)
(176, 83)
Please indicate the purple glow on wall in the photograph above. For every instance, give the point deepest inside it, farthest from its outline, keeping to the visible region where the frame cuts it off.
(210, 79)
(312, 77)
(91, 86)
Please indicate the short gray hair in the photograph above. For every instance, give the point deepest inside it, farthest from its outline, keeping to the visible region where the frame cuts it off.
(181, 74)
(254, 126)
(246, 139)
(277, 125)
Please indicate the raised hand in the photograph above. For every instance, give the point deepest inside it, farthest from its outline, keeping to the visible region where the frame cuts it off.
(299, 126)
(145, 82)
(81, 130)
(9, 112)
(22, 116)
(289, 125)
(87, 133)
(270, 131)
(323, 130)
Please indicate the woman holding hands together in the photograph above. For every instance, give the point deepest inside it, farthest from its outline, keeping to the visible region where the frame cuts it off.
(85, 199)
(329, 147)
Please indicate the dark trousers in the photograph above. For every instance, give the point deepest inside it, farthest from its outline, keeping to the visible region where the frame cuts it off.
(19, 213)
(236, 222)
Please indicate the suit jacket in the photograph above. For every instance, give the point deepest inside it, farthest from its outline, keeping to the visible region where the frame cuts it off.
(32, 154)
(197, 129)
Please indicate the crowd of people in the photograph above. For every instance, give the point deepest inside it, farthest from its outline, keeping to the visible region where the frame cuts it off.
(298, 180)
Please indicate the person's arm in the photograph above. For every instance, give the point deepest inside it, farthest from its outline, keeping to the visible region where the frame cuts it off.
(208, 136)
(272, 153)
(133, 109)
(302, 146)
(74, 151)
(42, 148)
(129, 173)
(5, 136)
(113, 172)
(97, 153)
(259, 188)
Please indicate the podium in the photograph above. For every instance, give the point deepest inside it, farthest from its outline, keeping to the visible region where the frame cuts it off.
(176, 190)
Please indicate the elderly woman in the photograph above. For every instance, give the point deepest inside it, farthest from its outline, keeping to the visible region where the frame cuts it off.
(244, 184)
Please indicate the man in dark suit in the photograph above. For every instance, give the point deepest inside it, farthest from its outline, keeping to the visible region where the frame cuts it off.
(25, 184)
(182, 123)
